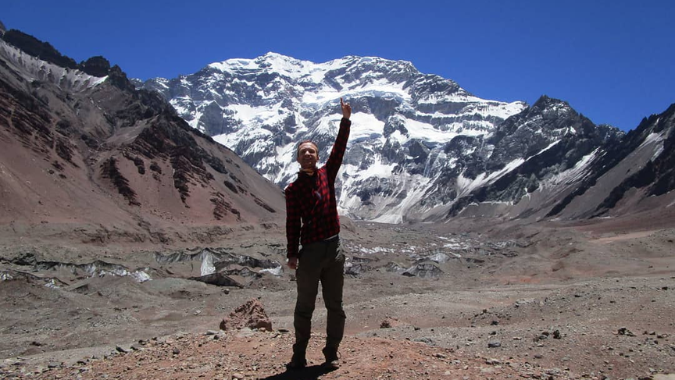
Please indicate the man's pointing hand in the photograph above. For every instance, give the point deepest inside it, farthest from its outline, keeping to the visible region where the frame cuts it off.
(346, 109)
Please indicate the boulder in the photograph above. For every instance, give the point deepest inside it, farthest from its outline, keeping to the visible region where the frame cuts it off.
(251, 314)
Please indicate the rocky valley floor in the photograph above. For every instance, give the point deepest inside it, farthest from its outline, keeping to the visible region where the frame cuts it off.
(560, 302)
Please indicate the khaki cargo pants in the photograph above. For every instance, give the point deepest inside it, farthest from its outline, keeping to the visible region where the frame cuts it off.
(320, 262)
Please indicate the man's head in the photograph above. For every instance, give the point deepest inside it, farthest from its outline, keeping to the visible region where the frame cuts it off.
(308, 154)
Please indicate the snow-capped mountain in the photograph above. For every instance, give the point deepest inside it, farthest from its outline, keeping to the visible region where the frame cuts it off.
(633, 175)
(421, 147)
(405, 123)
(534, 158)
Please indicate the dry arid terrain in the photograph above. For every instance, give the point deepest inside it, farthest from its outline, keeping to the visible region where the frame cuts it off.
(456, 301)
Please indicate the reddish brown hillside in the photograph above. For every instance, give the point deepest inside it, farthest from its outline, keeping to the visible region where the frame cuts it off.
(93, 158)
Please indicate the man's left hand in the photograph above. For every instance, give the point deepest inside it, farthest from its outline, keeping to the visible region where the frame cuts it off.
(346, 109)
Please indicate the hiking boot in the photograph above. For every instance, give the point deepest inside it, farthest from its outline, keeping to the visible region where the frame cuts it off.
(297, 362)
(332, 361)
(331, 365)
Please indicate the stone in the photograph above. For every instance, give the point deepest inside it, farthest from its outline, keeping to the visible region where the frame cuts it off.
(625, 331)
(389, 322)
(251, 315)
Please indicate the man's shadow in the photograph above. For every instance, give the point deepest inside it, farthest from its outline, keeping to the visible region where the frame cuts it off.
(308, 373)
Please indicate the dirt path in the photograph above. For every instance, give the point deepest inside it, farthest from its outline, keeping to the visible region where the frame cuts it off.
(622, 237)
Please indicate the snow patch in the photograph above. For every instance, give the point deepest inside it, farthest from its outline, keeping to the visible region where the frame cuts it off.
(273, 271)
(71, 79)
(207, 267)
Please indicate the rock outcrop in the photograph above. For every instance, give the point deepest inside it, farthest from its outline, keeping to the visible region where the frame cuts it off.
(251, 314)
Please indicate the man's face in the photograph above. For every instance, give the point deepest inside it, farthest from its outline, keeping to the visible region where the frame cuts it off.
(308, 155)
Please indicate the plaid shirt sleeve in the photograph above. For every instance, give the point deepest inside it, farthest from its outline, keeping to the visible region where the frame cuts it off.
(292, 222)
(338, 152)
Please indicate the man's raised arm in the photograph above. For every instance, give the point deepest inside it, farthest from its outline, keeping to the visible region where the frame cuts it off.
(338, 151)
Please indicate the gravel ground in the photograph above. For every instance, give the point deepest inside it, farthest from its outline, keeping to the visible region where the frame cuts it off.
(547, 303)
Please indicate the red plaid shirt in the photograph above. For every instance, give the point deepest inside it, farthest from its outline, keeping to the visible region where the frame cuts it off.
(311, 199)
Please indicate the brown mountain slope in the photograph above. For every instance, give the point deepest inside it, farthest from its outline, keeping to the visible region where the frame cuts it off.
(94, 160)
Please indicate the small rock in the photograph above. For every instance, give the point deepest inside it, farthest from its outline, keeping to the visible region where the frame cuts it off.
(492, 361)
(494, 344)
(626, 332)
(121, 349)
(553, 372)
(426, 340)
(388, 323)
(176, 351)
(237, 376)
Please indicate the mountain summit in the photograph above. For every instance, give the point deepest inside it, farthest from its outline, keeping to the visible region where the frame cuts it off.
(403, 123)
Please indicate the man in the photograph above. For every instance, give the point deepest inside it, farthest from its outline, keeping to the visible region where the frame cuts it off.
(312, 219)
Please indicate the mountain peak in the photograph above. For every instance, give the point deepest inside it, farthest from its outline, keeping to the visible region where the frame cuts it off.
(276, 57)
(404, 118)
(271, 54)
(545, 101)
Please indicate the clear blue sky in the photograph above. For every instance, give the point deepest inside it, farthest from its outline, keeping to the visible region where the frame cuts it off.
(613, 61)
